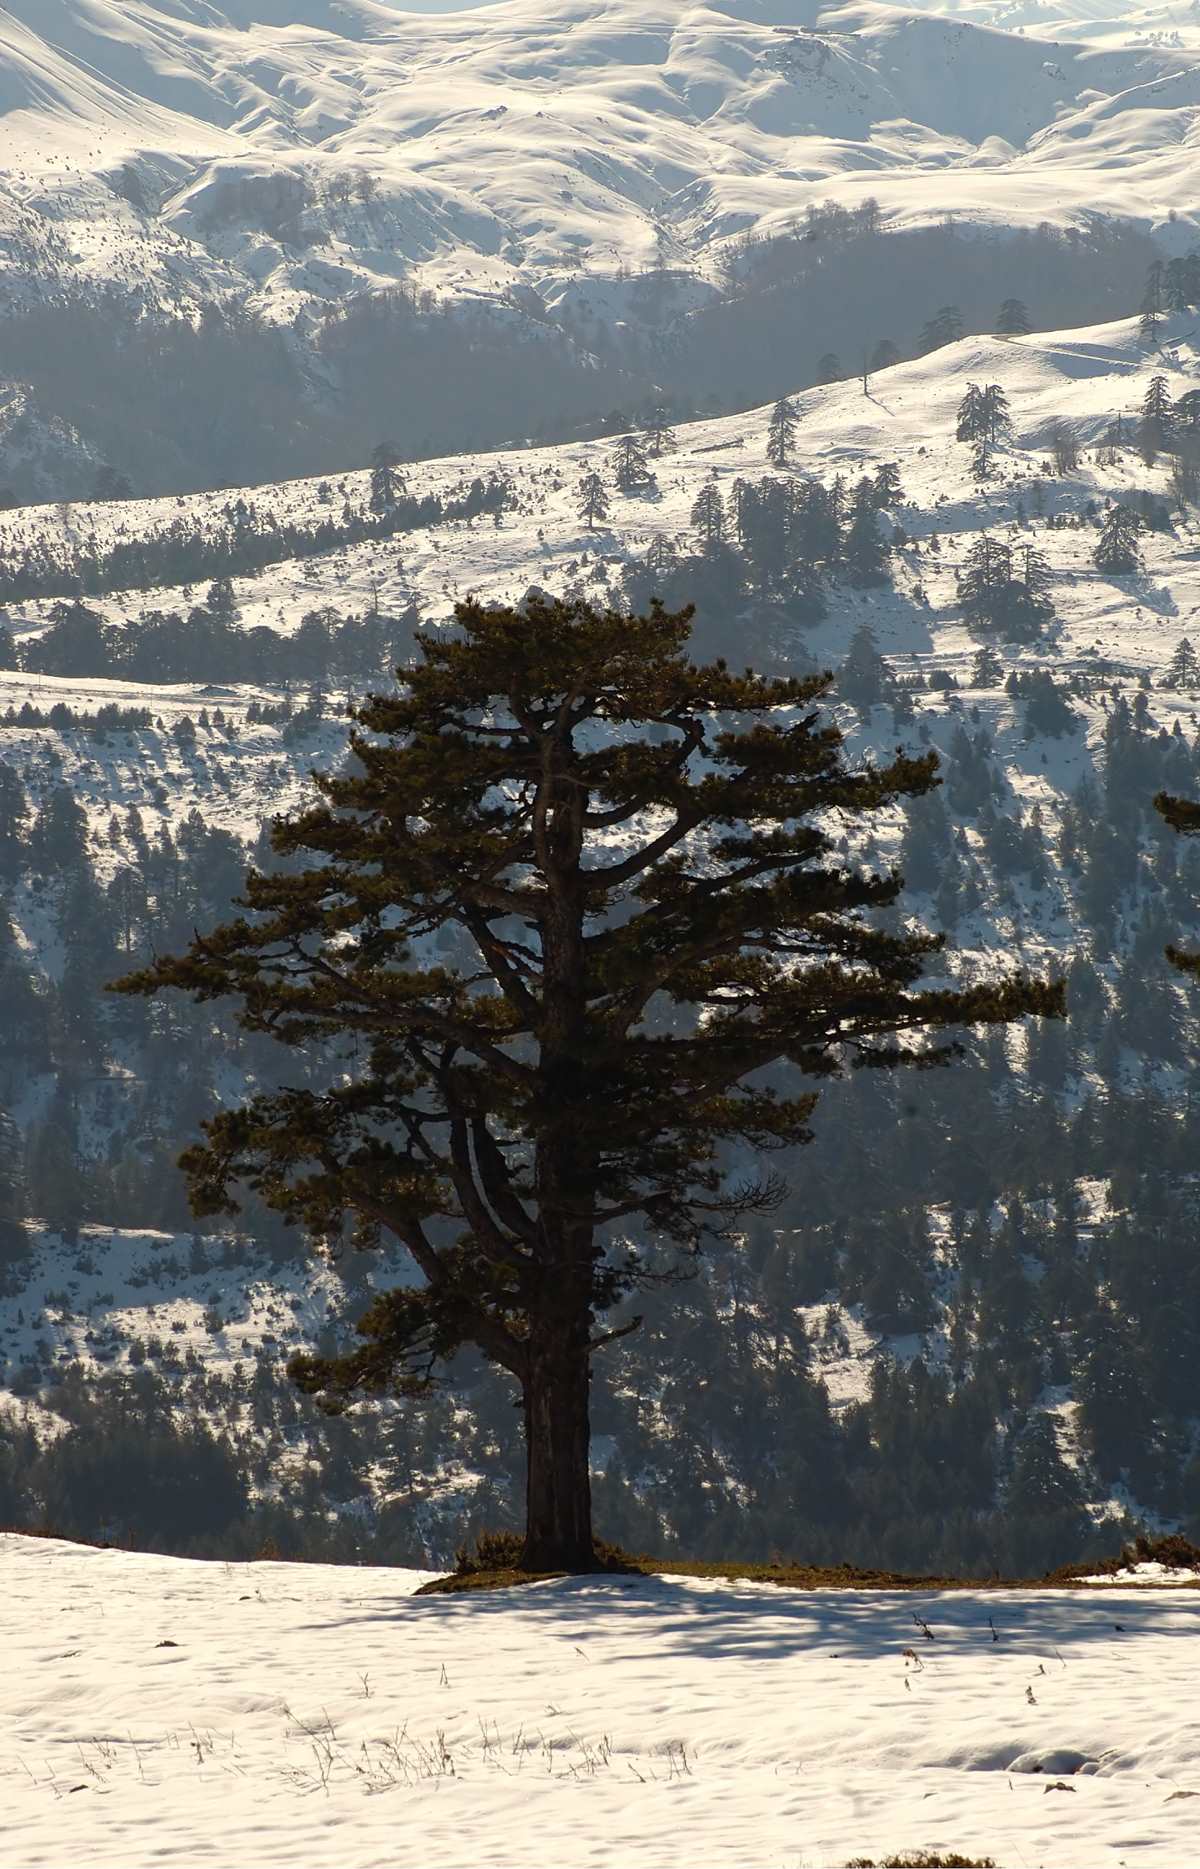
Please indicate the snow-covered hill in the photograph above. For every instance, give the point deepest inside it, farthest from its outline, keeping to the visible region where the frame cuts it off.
(201, 755)
(294, 152)
(158, 1710)
(1127, 627)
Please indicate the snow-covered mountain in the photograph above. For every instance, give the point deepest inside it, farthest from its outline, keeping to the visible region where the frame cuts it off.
(291, 151)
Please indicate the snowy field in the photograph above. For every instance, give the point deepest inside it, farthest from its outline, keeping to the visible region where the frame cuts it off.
(269, 1713)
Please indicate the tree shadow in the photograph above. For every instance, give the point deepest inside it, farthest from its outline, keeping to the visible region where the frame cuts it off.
(730, 1621)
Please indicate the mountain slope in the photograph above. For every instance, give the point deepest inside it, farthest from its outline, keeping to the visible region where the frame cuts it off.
(514, 144)
(1045, 851)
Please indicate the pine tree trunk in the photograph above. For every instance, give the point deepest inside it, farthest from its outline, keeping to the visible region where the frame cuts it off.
(558, 1523)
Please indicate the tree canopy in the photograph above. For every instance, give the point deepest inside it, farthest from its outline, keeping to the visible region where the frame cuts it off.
(572, 931)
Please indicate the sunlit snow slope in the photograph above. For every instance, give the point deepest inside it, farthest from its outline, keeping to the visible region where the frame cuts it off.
(292, 150)
(157, 1710)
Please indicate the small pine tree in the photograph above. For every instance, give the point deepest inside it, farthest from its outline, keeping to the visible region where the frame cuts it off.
(884, 355)
(1012, 320)
(1185, 482)
(864, 679)
(387, 481)
(219, 600)
(888, 491)
(1048, 712)
(1157, 420)
(781, 433)
(1041, 1482)
(983, 415)
(658, 433)
(1064, 447)
(830, 370)
(1185, 417)
(1117, 551)
(661, 560)
(1032, 568)
(864, 552)
(1152, 303)
(1183, 670)
(708, 516)
(631, 470)
(593, 499)
(945, 327)
(987, 571)
(1176, 285)
(987, 670)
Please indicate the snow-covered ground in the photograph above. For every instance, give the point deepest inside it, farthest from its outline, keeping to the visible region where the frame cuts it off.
(165, 1711)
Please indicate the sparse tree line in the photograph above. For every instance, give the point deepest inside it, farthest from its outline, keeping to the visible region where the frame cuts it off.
(189, 551)
(327, 647)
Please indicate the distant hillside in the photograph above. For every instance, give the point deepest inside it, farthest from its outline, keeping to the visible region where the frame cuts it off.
(967, 1339)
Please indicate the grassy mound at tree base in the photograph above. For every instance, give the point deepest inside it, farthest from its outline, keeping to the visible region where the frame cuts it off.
(495, 1564)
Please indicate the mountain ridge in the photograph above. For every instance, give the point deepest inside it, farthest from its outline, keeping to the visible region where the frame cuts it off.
(555, 141)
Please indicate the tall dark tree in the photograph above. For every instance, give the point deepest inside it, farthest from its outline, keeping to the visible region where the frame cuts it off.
(781, 433)
(864, 678)
(1183, 671)
(888, 489)
(1064, 447)
(983, 415)
(1186, 414)
(1117, 550)
(987, 670)
(945, 327)
(865, 551)
(387, 481)
(1041, 1481)
(660, 944)
(631, 470)
(1012, 319)
(14, 815)
(1153, 302)
(709, 517)
(658, 433)
(593, 499)
(1183, 815)
(1157, 420)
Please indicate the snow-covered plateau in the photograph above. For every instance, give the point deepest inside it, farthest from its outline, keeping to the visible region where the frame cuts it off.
(167, 1711)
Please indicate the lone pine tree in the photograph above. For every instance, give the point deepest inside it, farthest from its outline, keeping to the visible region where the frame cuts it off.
(631, 859)
(593, 499)
(781, 432)
(631, 468)
(1117, 550)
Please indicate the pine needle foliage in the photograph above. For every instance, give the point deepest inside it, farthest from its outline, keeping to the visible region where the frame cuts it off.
(647, 942)
(1183, 815)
